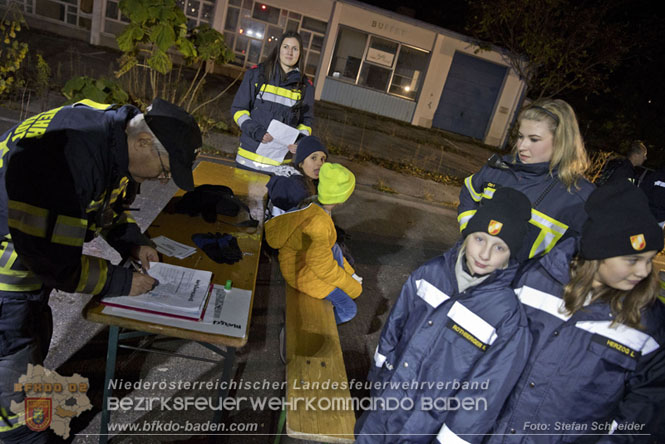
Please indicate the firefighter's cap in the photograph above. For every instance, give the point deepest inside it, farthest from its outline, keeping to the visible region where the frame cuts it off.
(177, 130)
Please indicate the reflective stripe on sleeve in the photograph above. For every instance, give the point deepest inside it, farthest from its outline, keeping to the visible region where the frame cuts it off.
(15, 280)
(7, 253)
(15, 421)
(472, 323)
(469, 186)
(488, 193)
(125, 218)
(27, 218)
(430, 294)
(464, 218)
(551, 230)
(628, 336)
(447, 436)
(306, 130)
(4, 149)
(115, 192)
(542, 301)
(93, 275)
(379, 359)
(241, 116)
(69, 231)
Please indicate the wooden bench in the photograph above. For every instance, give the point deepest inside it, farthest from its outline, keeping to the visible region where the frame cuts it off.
(315, 372)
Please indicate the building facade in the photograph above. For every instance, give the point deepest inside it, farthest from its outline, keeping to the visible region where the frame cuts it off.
(356, 54)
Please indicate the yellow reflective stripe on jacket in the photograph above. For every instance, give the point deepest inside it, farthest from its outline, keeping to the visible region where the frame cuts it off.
(15, 421)
(94, 271)
(27, 218)
(277, 94)
(122, 218)
(95, 204)
(307, 130)
(488, 193)
(238, 116)
(92, 104)
(125, 218)
(551, 230)
(69, 231)
(464, 218)
(257, 157)
(15, 280)
(7, 257)
(469, 186)
(4, 149)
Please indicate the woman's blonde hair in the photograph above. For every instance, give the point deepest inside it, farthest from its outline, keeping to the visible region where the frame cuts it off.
(568, 152)
(626, 305)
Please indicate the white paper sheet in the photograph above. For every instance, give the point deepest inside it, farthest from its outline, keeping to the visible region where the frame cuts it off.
(282, 136)
(172, 248)
(226, 314)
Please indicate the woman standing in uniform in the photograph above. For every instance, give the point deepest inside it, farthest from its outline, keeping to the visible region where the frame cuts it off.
(275, 89)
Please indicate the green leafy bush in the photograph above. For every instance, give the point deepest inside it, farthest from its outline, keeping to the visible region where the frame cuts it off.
(98, 90)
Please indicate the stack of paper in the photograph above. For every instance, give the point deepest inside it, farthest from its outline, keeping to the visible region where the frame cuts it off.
(227, 314)
(172, 248)
(182, 292)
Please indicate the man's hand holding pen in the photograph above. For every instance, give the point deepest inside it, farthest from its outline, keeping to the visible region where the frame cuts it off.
(141, 281)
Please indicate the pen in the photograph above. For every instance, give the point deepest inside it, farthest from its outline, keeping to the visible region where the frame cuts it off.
(137, 267)
(140, 269)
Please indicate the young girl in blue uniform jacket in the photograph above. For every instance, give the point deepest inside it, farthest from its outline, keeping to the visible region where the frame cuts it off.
(275, 89)
(597, 366)
(290, 185)
(547, 164)
(456, 322)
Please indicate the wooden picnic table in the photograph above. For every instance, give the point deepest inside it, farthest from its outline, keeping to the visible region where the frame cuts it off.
(250, 188)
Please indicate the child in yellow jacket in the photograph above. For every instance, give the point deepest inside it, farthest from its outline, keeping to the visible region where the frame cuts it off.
(309, 257)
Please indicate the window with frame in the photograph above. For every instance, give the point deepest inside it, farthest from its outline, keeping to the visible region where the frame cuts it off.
(196, 11)
(378, 63)
(65, 11)
(24, 5)
(253, 28)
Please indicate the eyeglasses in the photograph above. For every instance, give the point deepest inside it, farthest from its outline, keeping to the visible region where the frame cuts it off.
(165, 175)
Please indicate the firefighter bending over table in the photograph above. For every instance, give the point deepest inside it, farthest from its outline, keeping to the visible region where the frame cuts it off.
(64, 178)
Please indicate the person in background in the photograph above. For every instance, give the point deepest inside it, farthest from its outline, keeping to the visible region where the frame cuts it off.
(547, 164)
(653, 186)
(275, 89)
(309, 258)
(290, 185)
(597, 366)
(63, 175)
(456, 319)
(623, 168)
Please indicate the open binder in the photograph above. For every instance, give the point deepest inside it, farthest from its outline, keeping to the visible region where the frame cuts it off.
(182, 293)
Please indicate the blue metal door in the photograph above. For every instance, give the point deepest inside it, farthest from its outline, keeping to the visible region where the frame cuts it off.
(469, 96)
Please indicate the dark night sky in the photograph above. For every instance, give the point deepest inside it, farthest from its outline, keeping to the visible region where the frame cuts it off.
(633, 105)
